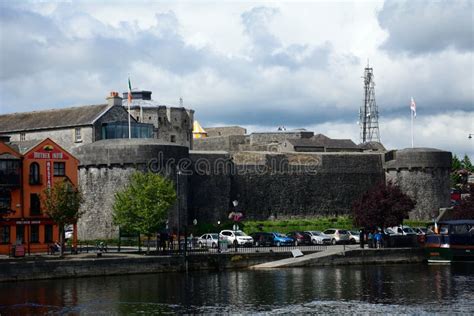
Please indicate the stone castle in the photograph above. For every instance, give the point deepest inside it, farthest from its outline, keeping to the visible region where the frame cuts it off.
(281, 174)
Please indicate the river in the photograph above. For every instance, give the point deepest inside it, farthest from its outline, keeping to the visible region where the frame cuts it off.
(394, 289)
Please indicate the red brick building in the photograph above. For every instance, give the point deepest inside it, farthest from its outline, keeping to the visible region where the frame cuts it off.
(26, 169)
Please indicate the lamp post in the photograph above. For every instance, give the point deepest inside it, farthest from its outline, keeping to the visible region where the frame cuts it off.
(218, 236)
(470, 135)
(178, 173)
(235, 227)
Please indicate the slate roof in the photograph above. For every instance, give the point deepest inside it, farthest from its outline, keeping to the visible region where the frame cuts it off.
(37, 120)
(24, 145)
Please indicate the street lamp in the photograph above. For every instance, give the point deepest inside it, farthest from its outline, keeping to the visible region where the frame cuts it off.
(470, 135)
(218, 236)
(178, 173)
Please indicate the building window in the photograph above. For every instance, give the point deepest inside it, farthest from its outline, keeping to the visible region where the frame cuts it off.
(34, 233)
(22, 136)
(34, 173)
(4, 234)
(5, 201)
(20, 234)
(48, 233)
(173, 138)
(59, 169)
(35, 204)
(77, 135)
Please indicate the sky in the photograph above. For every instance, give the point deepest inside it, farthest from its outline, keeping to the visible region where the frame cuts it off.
(261, 65)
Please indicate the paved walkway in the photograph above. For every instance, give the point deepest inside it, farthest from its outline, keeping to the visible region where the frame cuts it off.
(306, 259)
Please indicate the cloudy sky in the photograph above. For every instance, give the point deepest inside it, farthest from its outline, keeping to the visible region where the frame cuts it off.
(255, 64)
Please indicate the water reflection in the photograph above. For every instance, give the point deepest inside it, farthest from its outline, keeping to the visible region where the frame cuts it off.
(393, 289)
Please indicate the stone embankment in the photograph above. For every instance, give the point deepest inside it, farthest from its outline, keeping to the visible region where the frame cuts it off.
(87, 265)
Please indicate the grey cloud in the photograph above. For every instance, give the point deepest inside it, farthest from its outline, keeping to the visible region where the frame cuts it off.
(420, 27)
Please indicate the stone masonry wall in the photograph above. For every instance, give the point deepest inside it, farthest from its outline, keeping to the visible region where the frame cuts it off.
(64, 137)
(283, 185)
(98, 186)
(430, 188)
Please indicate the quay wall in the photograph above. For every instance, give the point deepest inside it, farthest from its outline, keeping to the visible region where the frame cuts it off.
(109, 264)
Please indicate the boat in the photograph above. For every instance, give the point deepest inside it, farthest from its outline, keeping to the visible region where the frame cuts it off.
(452, 241)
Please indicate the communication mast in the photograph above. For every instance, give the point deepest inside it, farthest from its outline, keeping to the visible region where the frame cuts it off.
(369, 113)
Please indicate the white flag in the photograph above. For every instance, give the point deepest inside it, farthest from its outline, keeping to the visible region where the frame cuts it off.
(413, 106)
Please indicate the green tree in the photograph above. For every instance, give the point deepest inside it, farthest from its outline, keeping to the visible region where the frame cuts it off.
(384, 205)
(62, 203)
(455, 163)
(466, 163)
(143, 205)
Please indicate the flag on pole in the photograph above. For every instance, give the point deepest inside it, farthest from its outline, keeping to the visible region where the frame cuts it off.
(130, 91)
(413, 106)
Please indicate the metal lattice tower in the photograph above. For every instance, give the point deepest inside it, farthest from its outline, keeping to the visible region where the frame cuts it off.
(369, 113)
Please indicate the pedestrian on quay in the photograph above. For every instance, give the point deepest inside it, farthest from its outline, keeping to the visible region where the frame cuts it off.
(371, 240)
(378, 239)
(361, 238)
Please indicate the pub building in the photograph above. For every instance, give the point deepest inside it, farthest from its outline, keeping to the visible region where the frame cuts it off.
(27, 168)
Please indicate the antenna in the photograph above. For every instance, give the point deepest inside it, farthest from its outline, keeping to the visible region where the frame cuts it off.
(181, 102)
(369, 113)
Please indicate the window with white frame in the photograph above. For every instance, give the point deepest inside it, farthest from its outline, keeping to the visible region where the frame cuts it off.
(22, 136)
(77, 135)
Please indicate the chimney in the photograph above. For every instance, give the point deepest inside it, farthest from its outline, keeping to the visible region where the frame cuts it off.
(114, 99)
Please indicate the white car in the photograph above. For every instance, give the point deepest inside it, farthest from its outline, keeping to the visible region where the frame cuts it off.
(354, 236)
(318, 238)
(236, 237)
(208, 241)
(68, 232)
(403, 230)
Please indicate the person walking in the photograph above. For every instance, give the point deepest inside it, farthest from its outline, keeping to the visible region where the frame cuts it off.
(378, 239)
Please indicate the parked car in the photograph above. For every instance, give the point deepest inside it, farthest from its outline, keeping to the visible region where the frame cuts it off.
(338, 236)
(208, 241)
(354, 237)
(300, 238)
(236, 237)
(68, 232)
(422, 231)
(403, 230)
(281, 240)
(318, 238)
(262, 239)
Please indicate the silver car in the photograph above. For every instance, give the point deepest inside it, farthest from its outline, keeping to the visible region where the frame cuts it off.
(208, 241)
(318, 238)
(338, 236)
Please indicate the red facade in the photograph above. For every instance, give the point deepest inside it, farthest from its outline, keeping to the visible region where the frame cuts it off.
(24, 175)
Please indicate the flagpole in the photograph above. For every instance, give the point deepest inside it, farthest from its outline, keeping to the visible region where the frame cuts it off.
(412, 142)
(129, 113)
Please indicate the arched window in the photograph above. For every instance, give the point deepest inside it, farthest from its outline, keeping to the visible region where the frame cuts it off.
(34, 173)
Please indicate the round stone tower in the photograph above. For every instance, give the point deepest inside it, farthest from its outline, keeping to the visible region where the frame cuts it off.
(423, 174)
(105, 167)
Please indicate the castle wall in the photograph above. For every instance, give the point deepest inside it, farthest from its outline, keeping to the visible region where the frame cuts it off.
(277, 137)
(104, 169)
(423, 174)
(281, 185)
(209, 186)
(320, 186)
(227, 143)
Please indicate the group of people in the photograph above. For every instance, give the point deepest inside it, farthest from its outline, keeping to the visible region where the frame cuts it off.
(374, 238)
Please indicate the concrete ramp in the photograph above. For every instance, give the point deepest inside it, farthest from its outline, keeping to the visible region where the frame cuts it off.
(305, 260)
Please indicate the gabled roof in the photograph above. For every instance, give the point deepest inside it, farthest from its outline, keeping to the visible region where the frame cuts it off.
(48, 119)
(25, 145)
